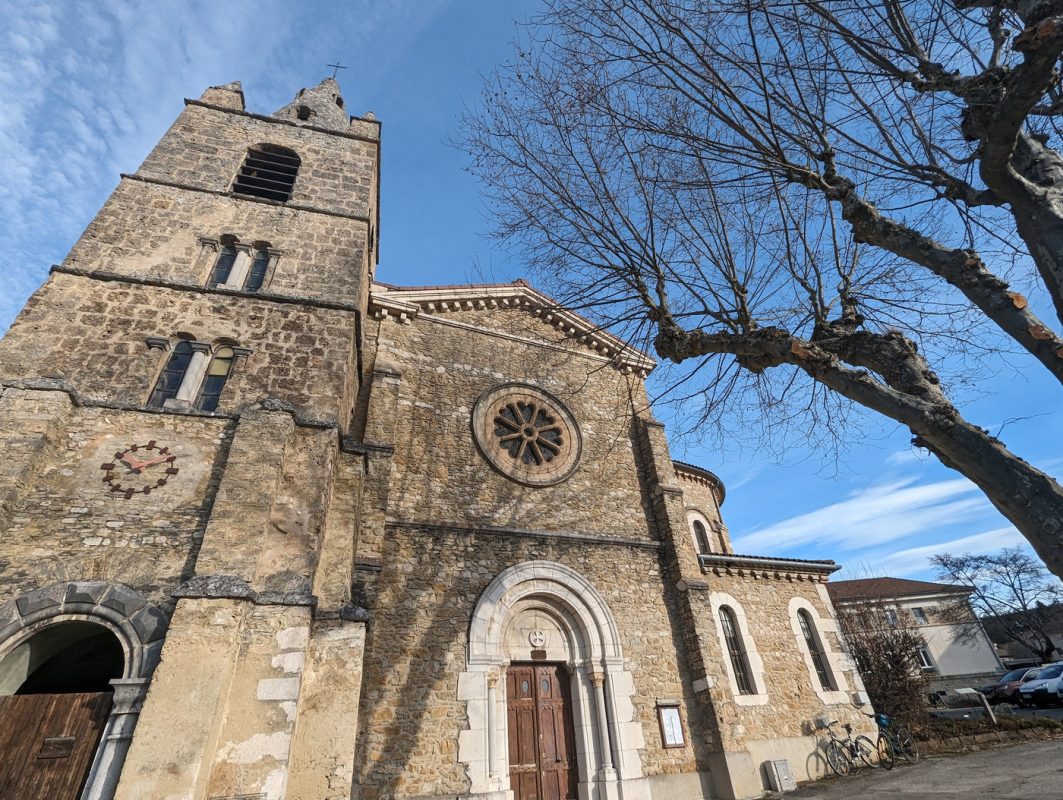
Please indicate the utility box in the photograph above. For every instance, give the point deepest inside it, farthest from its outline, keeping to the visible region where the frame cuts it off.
(780, 776)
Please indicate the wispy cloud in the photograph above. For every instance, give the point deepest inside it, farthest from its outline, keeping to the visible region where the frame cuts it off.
(876, 515)
(917, 559)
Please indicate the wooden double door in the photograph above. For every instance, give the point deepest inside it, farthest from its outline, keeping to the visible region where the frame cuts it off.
(47, 743)
(542, 752)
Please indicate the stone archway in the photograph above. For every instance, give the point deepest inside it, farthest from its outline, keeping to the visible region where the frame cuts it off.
(551, 609)
(77, 610)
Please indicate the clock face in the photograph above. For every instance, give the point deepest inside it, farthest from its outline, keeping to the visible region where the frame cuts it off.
(139, 469)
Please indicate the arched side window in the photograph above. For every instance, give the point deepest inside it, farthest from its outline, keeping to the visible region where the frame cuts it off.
(194, 375)
(815, 650)
(736, 650)
(701, 537)
(268, 172)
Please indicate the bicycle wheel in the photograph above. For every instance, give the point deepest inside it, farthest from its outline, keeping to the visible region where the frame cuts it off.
(865, 751)
(837, 759)
(885, 751)
(905, 744)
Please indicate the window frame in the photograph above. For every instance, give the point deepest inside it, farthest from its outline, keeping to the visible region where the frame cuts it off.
(736, 650)
(193, 381)
(925, 658)
(919, 613)
(816, 651)
(212, 252)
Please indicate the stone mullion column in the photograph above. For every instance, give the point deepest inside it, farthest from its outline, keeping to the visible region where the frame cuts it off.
(193, 378)
(117, 735)
(598, 681)
(238, 273)
(492, 726)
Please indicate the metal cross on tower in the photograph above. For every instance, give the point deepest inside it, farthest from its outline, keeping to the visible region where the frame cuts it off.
(336, 68)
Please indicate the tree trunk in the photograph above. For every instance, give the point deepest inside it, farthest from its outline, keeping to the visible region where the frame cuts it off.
(1031, 500)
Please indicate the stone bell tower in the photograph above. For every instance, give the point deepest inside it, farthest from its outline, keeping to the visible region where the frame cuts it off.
(175, 406)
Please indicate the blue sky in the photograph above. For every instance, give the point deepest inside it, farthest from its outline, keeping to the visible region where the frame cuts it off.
(86, 89)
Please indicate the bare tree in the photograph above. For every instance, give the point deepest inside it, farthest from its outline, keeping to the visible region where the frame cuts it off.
(805, 204)
(1011, 592)
(884, 643)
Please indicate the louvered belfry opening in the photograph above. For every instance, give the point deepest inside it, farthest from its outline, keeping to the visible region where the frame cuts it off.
(269, 172)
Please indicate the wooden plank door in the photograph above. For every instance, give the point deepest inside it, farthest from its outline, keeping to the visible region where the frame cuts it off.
(47, 743)
(542, 752)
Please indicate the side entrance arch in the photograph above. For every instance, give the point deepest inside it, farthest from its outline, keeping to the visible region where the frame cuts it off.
(75, 659)
(548, 696)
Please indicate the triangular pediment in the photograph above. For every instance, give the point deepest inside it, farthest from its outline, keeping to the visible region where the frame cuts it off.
(485, 300)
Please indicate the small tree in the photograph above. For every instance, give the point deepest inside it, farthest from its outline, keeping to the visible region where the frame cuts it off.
(884, 644)
(1011, 592)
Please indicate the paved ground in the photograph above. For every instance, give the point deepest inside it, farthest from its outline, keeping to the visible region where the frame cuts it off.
(1052, 713)
(1029, 771)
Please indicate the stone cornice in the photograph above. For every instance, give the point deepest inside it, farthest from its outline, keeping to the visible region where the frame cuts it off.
(159, 283)
(406, 304)
(702, 477)
(767, 567)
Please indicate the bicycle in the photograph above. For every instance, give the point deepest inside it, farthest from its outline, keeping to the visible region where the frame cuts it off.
(900, 739)
(842, 754)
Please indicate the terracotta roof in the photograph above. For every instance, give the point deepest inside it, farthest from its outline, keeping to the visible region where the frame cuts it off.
(880, 588)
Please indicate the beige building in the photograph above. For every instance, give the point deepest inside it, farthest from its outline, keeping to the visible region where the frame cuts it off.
(274, 529)
(955, 656)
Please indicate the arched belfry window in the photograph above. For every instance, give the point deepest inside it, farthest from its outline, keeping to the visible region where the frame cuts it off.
(736, 650)
(269, 172)
(815, 650)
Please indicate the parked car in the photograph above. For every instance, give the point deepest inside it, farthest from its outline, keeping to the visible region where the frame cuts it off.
(1004, 688)
(1043, 689)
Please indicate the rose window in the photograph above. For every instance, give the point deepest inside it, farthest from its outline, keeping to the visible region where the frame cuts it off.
(526, 434)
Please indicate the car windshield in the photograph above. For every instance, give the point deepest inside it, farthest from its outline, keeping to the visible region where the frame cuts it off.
(1014, 675)
(1050, 672)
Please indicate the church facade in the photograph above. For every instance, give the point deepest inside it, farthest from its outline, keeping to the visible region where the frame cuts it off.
(276, 529)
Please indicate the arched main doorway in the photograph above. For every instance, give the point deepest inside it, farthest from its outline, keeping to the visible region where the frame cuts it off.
(55, 697)
(548, 696)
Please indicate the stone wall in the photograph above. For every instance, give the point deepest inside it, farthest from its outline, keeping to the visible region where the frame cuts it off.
(92, 335)
(779, 719)
(429, 584)
(205, 148)
(440, 475)
(702, 497)
(65, 524)
(147, 230)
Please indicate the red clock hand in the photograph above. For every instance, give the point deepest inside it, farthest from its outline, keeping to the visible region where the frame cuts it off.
(132, 462)
(158, 460)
